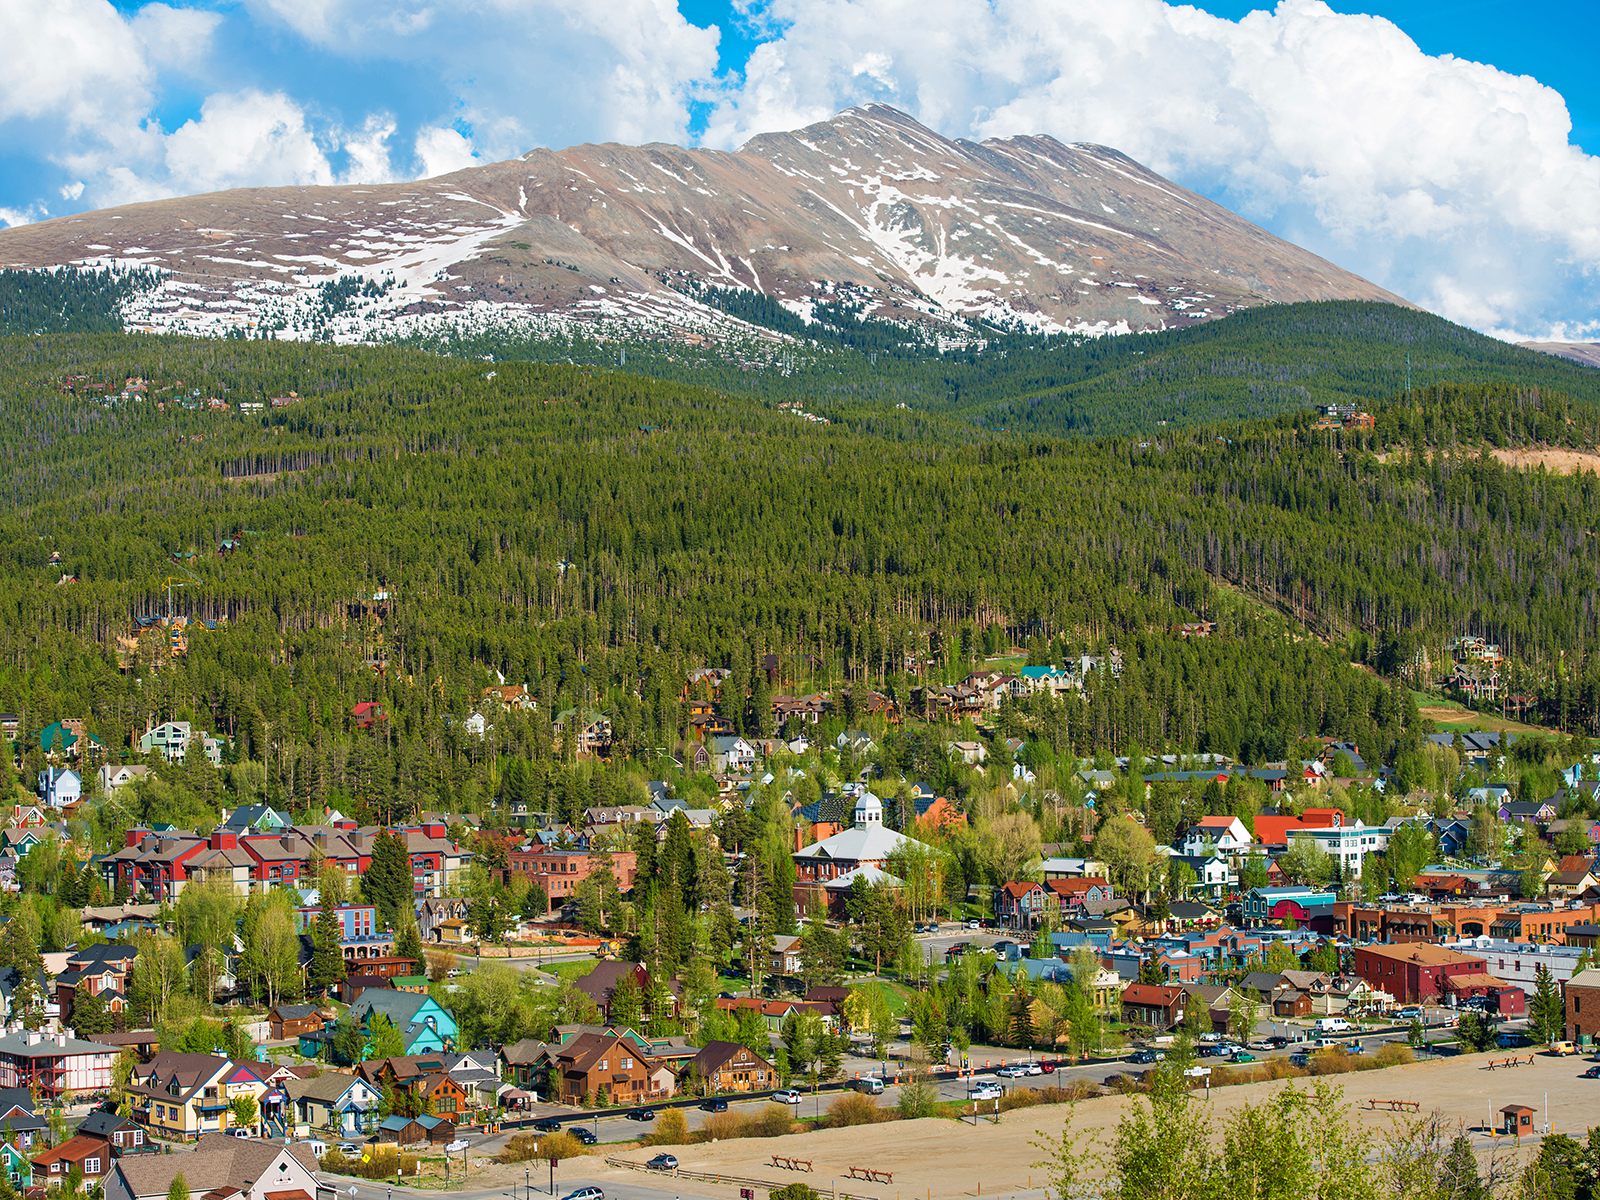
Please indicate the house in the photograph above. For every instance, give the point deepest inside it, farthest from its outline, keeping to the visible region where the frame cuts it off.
(291, 1020)
(423, 1024)
(170, 739)
(730, 1067)
(220, 1166)
(479, 1079)
(338, 1104)
(1573, 876)
(59, 787)
(592, 1062)
(435, 909)
(731, 754)
(560, 872)
(1158, 1006)
(1225, 833)
(441, 1095)
(184, 1096)
(1291, 903)
(89, 1154)
(785, 958)
(601, 983)
(121, 1135)
(16, 1165)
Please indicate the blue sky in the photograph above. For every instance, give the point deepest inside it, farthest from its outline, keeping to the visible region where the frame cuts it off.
(1423, 144)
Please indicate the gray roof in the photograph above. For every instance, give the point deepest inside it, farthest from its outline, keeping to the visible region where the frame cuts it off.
(48, 1047)
(330, 1086)
(217, 1161)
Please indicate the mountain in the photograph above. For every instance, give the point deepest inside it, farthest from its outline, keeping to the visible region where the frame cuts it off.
(869, 210)
(1587, 353)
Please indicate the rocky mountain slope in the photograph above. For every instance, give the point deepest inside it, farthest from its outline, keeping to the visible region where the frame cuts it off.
(869, 207)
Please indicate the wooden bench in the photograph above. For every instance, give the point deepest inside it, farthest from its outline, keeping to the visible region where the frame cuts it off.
(1396, 1105)
(791, 1164)
(1510, 1062)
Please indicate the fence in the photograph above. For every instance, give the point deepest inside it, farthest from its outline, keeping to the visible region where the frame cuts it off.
(733, 1180)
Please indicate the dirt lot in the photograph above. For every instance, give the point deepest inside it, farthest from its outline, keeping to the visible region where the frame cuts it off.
(933, 1158)
(1466, 719)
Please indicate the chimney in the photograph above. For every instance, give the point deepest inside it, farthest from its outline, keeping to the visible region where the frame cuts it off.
(33, 1037)
(321, 839)
(287, 842)
(61, 1039)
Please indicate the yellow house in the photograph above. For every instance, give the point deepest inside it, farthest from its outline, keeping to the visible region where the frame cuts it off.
(185, 1096)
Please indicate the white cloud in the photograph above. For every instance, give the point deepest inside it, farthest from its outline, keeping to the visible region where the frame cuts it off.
(245, 139)
(1448, 181)
(442, 151)
(174, 37)
(529, 72)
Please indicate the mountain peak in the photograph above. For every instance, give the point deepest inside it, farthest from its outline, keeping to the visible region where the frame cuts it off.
(869, 205)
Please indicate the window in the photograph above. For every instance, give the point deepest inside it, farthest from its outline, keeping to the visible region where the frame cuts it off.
(627, 1063)
(91, 1166)
(55, 1168)
(603, 1066)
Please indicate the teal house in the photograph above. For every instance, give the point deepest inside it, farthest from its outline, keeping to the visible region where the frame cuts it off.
(424, 1026)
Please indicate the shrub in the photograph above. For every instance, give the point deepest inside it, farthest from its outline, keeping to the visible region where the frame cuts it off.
(773, 1120)
(793, 1191)
(671, 1129)
(381, 1162)
(527, 1147)
(718, 1127)
(853, 1108)
(1393, 1055)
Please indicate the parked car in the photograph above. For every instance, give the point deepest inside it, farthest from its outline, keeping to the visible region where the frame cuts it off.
(1411, 1012)
(714, 1104)
(663, 1162)
(974, 925)
(1050, 1065)
(1146, 1056)
(1012, 1071)
(1207, 1051)
(1031, 1068)
(585, 1193)
(349, 1148)
(787, 1097)
(985, 1091)
(869, 1084)
(1300, 1058)
(1243, 1056)
(586, 1136)
(642, 1114)
(1561, 1049)
(547, 1125)
(1278, 1040)
(1333, 1025)
(1591, 1073)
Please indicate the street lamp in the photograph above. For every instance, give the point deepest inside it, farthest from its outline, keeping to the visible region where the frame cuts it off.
(527, 1182)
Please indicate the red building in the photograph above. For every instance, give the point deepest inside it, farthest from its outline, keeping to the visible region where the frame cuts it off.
(1417, 973)
(560, 872)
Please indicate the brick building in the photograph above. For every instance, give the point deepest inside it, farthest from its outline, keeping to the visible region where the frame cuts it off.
(1583, 1006)
(1413, 973)
(560, 872)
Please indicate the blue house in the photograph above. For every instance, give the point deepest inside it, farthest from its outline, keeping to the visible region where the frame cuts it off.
(424, 1026)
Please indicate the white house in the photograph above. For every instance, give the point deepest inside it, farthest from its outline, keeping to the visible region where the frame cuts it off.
(1225, 833)
(54, 1063)
(1347, 845)
(114, 777)
(238, 1168)
(59, 786)
(733, 755)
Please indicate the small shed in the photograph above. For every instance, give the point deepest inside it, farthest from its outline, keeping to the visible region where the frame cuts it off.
(407, 1131)
(1517, 1119)
(441, 1131)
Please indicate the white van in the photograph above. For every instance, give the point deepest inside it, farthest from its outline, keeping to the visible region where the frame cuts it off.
(870, 1084)
(1333, 1025)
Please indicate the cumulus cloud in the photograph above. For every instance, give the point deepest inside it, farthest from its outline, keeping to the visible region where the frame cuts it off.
(442, 151)
(1448, 181)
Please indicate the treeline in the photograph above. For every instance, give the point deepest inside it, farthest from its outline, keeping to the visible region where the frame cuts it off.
(87, 301)
(422, 525)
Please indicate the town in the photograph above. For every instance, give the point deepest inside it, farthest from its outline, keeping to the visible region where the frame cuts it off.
(790, 923)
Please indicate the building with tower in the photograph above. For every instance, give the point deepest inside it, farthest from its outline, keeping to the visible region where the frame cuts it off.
(826, 870)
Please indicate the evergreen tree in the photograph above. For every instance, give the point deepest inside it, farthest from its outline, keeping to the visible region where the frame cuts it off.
(388, 883)
(408, 941)
(1546, 1012)
(327, 952)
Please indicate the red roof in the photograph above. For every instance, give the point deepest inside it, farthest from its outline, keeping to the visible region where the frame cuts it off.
(1072, 886)
(1322, 818)
(1274, 831)
(1151, 995)
(1018, 890)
